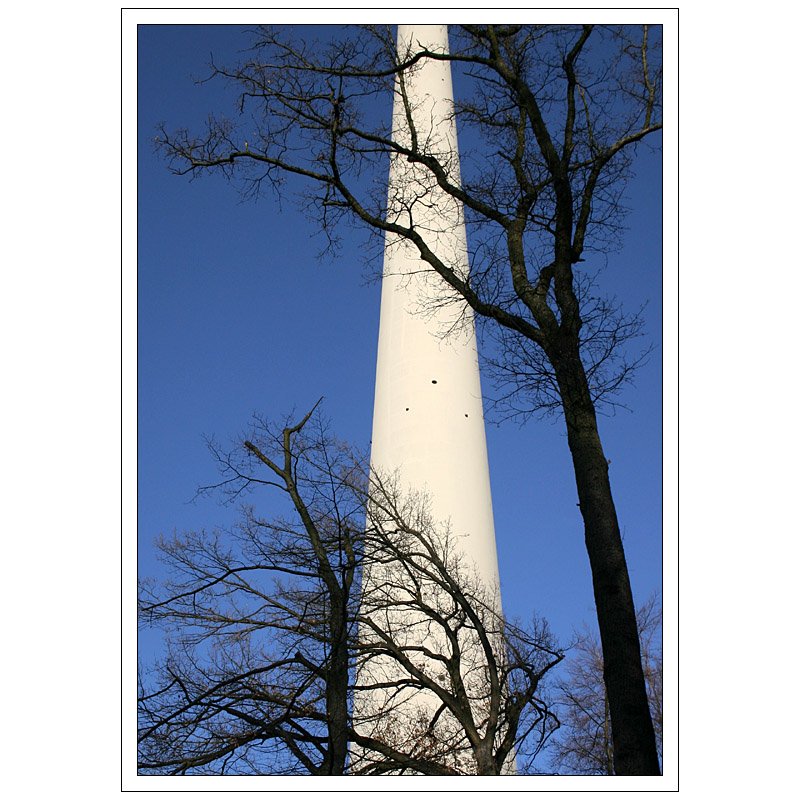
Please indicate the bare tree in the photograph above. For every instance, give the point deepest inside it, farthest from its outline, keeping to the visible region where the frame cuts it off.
(455, 679)
(265, 626)
(553, 116)
(257, 674)
(584, 745)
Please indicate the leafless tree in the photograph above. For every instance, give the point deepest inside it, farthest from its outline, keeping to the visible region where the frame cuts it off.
(551, 118)
(257, 673)
(444, 672)
(265, 630)
(584, 745)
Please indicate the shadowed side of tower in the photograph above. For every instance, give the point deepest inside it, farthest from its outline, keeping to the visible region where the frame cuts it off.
(428, 433)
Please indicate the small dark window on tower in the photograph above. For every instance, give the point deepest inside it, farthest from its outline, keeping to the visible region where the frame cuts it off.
(406, 409)
(434, 381)
(466, 415)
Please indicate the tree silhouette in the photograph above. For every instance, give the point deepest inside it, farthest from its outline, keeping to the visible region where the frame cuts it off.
(272, 635)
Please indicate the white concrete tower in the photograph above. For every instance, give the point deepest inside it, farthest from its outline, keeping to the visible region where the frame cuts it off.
(428, 425)
(428, 414)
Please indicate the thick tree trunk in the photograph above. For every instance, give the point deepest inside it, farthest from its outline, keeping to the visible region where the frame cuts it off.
(336, 702)
(485, 762)
(632, 728)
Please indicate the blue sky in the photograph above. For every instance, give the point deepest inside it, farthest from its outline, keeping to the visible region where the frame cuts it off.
(237, 314)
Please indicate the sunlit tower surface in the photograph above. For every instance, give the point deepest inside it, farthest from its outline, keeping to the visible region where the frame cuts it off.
(428, 425)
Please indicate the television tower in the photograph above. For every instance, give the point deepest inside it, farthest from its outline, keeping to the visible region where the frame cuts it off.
(428, 426)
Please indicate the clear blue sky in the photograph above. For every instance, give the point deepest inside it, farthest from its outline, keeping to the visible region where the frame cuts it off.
(237, 314)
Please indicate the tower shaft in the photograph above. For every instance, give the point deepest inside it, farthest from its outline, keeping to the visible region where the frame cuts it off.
(428, 414)
(428, 431)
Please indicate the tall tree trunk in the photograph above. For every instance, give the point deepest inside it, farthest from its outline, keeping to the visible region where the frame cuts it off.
(634, 740)
(336, 699)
